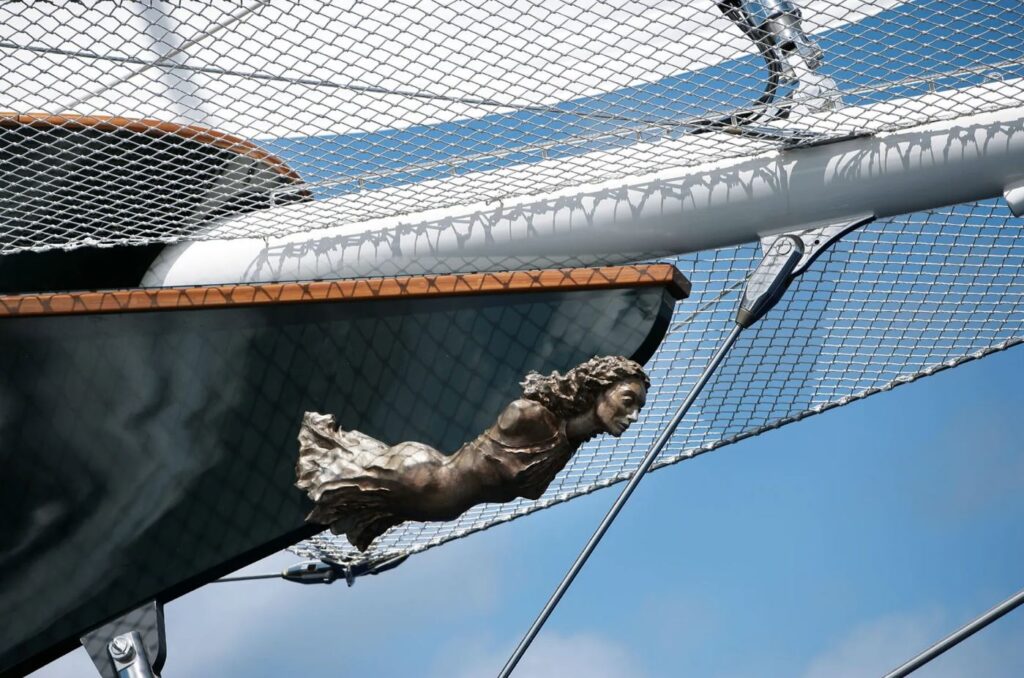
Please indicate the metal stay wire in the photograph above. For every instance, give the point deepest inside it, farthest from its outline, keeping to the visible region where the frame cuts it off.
(958, 636)
(613, 512)
(763, 289)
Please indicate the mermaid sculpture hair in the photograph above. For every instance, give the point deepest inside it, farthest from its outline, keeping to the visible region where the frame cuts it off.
(577, 390)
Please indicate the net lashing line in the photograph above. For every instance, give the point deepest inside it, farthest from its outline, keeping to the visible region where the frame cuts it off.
(890, 304)
(390, 108)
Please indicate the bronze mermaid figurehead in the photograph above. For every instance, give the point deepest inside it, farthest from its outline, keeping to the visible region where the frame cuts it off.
(362, 486)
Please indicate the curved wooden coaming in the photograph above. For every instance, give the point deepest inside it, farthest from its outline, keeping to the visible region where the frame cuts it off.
(110, 123)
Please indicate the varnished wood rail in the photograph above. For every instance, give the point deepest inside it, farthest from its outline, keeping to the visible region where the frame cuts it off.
(224, 296)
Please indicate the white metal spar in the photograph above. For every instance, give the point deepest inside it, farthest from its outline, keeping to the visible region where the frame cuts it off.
(389, 109)
(966, 159)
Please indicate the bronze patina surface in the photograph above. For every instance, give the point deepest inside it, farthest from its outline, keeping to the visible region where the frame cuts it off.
(362, 486)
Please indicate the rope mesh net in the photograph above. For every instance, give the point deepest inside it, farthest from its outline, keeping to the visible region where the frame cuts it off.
(131, 123)
(892, 303)
(388, 108)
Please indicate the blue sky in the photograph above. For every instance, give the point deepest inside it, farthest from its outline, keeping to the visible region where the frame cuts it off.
(838, 546)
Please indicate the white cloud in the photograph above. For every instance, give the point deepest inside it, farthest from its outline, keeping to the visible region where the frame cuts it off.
(877, 647)
(224, 628)
(275, 617)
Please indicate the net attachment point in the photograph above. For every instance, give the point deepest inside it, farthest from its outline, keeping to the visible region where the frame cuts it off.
(786, 257)
(770, 279)
(327, 572)
(818, 239)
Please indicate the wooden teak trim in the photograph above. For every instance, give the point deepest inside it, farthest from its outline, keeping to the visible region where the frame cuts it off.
(225, 296)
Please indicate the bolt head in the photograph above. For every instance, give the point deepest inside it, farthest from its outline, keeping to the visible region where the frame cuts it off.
(121, 649)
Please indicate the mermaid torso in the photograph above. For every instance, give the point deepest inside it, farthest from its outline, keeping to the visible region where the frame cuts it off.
(527, 447)
(362, 486)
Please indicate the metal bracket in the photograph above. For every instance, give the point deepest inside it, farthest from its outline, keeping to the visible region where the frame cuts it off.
(132, 646)
(314, 572)
(1014, 194)
(817, 240)
(785, 258)
(327, 572)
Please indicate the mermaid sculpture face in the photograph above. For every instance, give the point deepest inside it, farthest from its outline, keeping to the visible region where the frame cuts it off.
(602, 395)
(619, 405)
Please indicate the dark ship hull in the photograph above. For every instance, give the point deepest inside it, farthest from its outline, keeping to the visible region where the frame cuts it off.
(149, 439)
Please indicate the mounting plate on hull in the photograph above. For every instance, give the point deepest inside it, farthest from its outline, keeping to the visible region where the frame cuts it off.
(132, 646)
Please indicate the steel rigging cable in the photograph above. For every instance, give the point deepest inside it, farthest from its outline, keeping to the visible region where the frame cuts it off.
(785, 259)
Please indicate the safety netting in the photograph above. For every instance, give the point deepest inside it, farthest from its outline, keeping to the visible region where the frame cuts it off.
(138, 122)
(894, 302)
(125, 123)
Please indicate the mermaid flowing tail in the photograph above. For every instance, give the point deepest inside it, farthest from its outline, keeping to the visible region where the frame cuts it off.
(350, 476)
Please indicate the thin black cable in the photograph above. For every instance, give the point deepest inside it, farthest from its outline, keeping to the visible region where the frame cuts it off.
(251, 577)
